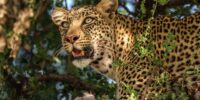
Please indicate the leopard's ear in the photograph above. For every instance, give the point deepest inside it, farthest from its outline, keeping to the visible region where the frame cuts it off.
(106, 7)
(58, 15)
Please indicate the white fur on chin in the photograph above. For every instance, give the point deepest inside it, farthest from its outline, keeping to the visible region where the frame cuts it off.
(81, 63)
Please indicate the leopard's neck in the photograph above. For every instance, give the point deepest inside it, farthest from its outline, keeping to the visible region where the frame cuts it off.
(125, 33)
(126, 29)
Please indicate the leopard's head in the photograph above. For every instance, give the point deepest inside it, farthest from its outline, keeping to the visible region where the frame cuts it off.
(88, 33)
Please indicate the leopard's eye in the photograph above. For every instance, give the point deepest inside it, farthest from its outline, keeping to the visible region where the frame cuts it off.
(65, 24)
(88, 20)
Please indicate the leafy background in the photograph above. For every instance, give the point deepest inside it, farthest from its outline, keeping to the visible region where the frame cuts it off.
(30, 67)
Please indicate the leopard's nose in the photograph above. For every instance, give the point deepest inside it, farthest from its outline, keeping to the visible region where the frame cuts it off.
(72, 38)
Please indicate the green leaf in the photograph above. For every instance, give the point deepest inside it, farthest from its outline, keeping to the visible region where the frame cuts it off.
(130, 90)
(157, 62)
(163, 2)
(124, 12)
(117, 63)
(143, 51)
(136, 45)
(142, 7)
(133, 96)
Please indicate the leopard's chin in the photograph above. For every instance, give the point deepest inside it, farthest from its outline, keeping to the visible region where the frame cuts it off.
(81, 63)
(82, 58)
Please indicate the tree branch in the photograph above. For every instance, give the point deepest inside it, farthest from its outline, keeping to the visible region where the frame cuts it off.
(173, 3)
(42, 7)
(70, 80)
(161, 8)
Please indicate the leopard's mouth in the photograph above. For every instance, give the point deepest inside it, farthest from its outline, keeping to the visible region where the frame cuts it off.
(87, 52)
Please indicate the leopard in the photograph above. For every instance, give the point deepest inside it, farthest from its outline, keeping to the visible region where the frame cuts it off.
(97, 36)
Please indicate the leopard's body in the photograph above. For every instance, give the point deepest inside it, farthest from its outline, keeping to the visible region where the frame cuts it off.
(96, 36)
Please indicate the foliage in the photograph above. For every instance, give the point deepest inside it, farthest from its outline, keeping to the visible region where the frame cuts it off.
(133, 93)
(168, 44)
(142, 7)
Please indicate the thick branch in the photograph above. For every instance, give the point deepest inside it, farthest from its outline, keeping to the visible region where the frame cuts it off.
(161, 8)
(173, 3)
(43, 5)
(71, 80)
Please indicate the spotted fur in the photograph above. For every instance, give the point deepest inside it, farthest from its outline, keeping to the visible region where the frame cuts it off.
(113, 36)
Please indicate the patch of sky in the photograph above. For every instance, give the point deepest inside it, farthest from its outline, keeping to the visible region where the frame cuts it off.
(130, 5)
(68, 3)
(194, 9)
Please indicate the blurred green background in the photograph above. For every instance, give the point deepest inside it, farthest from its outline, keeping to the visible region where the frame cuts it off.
(32, 63)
